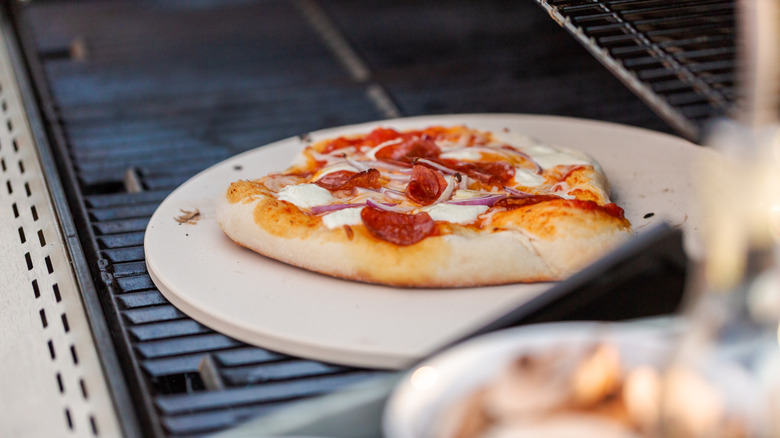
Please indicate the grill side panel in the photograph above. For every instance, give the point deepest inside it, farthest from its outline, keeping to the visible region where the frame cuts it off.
(51, 367)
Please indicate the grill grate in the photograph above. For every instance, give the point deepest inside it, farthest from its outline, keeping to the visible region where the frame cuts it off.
(680, 57)
(137, 102)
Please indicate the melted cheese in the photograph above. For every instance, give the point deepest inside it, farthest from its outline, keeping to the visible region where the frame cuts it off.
(305, 195)
(464, 154)
(527, 178)
(466, 194)
(339, 218)
(457, 214)
(548, 157)
(564, 191)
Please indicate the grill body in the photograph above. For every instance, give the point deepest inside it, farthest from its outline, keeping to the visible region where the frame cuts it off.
(136, 97)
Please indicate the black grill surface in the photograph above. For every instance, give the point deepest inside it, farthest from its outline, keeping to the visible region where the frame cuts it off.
(140, 96)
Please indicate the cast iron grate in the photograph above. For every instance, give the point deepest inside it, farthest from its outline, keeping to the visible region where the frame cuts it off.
(137, 102)
(680, 57)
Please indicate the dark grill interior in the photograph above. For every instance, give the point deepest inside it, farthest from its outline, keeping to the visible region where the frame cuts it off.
(140, 96)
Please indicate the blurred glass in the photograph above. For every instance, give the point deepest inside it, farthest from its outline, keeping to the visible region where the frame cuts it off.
(724, 380)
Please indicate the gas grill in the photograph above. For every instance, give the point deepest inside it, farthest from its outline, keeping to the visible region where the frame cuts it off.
(107, 106)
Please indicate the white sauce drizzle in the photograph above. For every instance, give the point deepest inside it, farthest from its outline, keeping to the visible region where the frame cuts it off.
(464, 154)
(527, 178)
(339, 218)
(305, 195)
(548, 157)
(456, 214)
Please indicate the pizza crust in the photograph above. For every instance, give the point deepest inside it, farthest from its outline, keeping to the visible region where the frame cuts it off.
(464, 258)
(565, 237)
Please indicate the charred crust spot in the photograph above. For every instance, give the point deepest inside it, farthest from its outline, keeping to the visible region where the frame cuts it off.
(525, 362)
(243, 190)
(349, 232)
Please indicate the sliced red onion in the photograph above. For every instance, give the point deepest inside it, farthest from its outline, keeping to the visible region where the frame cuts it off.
(538, 167)
(333, 207)
(356, 164)
(487, 149)
(396, 177)
(386, 206)
(327, 158)
(379, 164)
(436, 165)
(515, 192)
(372, 152)
(488, 200)
(445, 195)
(343, 151)
(465, 181)
(390, 193)
(363, 166)
(330, 168)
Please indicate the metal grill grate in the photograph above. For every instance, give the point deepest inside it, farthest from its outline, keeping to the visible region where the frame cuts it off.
(677, 56)
(137, 102)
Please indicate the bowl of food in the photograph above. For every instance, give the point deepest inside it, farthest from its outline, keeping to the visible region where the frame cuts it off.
(562, 379)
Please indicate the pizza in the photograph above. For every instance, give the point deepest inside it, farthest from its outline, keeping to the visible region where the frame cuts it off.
(443, 206)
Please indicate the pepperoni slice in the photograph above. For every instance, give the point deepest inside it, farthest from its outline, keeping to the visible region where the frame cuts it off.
(381, 135)
(493, 173)
(345, 180)
(513, 202)
(367, 178)
(334, 180)
(426, 185)
(409, 149)
(339, 143)
(398, 228)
